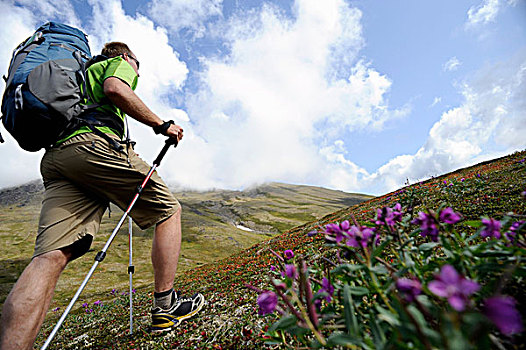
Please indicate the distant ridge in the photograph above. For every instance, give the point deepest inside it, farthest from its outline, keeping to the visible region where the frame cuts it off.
(23, 194)
(216, 224)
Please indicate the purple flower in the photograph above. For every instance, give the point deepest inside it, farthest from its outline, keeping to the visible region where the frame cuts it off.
(114, 291)
(85, 305)
(267, 302)
(272, 268)
(523, 194)
(97, 303)
(385, 216)
(354, 236)
(428, 225)
(449, 216)
(510, 235)
(389, 215)
(502, 312)
(516, 225)
(491, 228)
(410, 288)
(56, 309)
(397, 212)
(312, 233)
(453, 286)
(327, 287)
(289, 254)
(445, 182)
(361, 237)
(462, 180)
(337, 231)
(290, 271)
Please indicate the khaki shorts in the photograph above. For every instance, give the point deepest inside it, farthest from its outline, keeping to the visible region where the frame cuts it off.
(81, 177)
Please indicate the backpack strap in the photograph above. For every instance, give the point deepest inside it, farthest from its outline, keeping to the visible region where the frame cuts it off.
(85, 119)
(92, 124)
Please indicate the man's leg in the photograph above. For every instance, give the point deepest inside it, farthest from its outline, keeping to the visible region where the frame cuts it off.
(168, 311)
(26, 306)
(165, 251)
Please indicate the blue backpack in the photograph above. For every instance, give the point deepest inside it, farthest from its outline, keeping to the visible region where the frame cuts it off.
(46, 86)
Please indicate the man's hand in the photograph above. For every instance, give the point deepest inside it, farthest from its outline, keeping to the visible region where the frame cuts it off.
(175, 132)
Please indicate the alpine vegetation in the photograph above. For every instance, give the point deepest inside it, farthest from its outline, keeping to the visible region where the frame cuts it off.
(435, 265)
(417, 275)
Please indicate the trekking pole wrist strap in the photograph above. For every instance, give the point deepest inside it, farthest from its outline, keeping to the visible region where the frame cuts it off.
(161, 129)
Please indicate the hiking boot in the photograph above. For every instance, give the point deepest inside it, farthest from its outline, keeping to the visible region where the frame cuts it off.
(181, 309)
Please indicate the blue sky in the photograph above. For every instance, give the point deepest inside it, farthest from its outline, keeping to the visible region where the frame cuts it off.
(358, 96)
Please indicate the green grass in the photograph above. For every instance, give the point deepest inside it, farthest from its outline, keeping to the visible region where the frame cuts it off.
(207, 235)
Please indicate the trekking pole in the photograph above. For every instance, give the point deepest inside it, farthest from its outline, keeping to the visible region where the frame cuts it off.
(102, 254)
(131, 270)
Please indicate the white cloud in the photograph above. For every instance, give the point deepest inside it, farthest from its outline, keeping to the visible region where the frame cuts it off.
(490, 122)
(483, 13)
(436, 101)
(281, 91)
(452, 64)
(487, 12)
(189, 14)
(60, 10)
(19, 23)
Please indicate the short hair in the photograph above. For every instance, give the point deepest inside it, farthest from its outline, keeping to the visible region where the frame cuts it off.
(115, 48)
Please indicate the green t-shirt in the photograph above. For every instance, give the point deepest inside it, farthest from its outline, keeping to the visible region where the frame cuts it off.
(96, 74)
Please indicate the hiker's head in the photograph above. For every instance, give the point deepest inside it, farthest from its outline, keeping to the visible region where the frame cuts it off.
(115, 48)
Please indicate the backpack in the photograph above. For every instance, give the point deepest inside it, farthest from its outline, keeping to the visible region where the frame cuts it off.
(46, 86)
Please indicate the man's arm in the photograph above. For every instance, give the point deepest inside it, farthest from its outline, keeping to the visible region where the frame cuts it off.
(122, 96)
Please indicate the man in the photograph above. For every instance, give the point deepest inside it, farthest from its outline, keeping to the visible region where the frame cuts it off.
(82, 173)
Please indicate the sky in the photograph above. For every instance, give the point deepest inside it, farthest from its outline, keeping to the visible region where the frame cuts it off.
(359, 96)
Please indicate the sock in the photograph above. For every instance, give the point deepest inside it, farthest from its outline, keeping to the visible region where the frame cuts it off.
(164, 299)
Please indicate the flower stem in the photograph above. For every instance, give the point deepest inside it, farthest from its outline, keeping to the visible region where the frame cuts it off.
(287, 303)
(318, 335)
(421, 335)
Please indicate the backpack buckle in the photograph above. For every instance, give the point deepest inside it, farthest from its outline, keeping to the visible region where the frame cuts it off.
(19, 99)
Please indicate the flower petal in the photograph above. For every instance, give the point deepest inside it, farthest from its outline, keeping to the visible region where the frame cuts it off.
(457, 302)
(468, 287)
(438, 288)
(502, 312)
(449, 275)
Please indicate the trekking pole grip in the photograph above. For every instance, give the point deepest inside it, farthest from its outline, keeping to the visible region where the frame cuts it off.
(169, 142)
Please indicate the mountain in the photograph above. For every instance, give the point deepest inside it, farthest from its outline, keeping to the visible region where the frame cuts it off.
(216, 224)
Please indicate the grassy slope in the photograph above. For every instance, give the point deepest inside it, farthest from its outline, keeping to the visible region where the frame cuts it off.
(230, 318)
(209, 233)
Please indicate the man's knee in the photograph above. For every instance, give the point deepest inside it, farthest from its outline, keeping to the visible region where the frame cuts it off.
(59, 257)
(175, 216)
